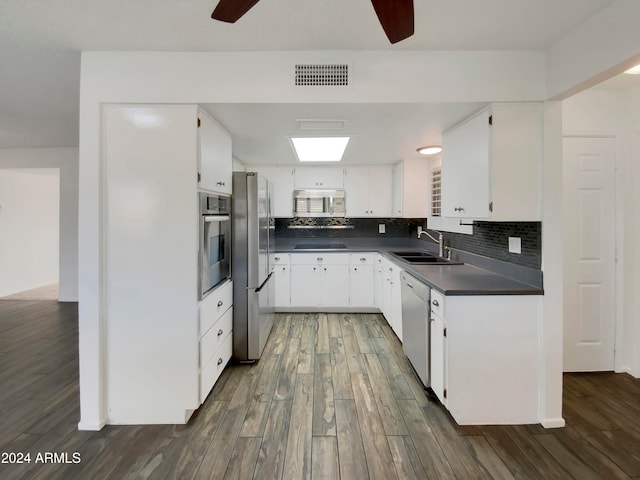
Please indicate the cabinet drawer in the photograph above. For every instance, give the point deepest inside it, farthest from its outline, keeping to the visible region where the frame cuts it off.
(362, 258)
(320, 258)
(437, 303)
(214, 337)
(212, 370)
(214, 305)
(280, 259)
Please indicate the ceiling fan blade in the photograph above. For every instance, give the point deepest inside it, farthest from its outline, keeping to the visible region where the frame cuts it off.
(396, 18)
(231, 10)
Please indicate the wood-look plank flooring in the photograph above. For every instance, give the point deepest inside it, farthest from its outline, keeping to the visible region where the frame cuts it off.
(332, 398)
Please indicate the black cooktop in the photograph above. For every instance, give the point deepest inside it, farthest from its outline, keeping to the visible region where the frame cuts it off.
(320, 246)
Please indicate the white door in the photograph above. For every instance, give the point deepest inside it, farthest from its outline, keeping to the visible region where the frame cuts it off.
(589, 254)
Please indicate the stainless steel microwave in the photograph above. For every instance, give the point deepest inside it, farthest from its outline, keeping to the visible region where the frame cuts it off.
(319, 203)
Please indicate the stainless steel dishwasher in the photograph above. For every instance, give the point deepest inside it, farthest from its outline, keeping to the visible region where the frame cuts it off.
(416, 326)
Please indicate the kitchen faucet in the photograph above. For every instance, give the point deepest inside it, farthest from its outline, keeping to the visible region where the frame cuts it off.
(439, 240)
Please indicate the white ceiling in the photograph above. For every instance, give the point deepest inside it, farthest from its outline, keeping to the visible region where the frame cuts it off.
(40, 45)
(380, 133)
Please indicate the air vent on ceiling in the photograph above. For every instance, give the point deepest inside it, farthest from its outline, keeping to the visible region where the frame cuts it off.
(322, 75)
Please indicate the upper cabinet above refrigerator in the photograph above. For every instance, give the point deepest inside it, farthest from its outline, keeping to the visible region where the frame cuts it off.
(215, 163)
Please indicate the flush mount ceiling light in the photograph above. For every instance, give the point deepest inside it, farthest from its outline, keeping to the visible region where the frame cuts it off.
(429, 150)
(319, 149)
(633, 71)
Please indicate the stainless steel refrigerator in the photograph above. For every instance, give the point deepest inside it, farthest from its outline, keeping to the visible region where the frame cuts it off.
(251, 270)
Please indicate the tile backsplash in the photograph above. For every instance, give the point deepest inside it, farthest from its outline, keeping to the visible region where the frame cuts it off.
(491, 239)
(349, 227)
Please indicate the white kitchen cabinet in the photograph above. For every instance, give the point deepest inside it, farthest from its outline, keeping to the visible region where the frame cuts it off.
(362, 280)
(368, 191)
(484, 357)
(282, 273)
(411, 180)
(215, 166)
(319, 280)
(282, 194)
(437, 343)
(379, 282)
(318, 177)
(391, 296)
(491, 164)
(216, 325)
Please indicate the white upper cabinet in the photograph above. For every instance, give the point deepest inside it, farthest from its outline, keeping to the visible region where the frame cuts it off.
(411, 189)
(491, 164)
(368, 191)
(282, 194)
(318, 177)
(215, 163)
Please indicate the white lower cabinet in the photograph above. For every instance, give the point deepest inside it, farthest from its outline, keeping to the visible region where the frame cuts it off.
(216, 341)
(320, 280)
(391, 296)
(437, 338)
(362, 280)
(484, 357)
(282, 272)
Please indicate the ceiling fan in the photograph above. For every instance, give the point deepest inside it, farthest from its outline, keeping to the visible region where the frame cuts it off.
(395, 16)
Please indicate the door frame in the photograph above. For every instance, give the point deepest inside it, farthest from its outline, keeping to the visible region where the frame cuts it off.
(634, 158)
(618, 282)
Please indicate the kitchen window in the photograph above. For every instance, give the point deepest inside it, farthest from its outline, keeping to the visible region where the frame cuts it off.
(436, 191)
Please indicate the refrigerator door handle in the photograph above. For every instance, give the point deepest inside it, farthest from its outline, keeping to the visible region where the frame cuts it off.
(259, 289)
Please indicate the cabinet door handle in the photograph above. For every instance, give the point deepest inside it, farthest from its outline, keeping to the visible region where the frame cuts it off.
(220, 361)
(220, 332)
(363, 259)
(319, 259)
(390, 269)
(435, 303)
(325, 269)
(220, 184)
(458, 209)
(277, 259)
(355, 268)
(284, 269)
(219, 303)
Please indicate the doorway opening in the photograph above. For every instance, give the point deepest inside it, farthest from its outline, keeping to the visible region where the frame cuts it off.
(30, 238)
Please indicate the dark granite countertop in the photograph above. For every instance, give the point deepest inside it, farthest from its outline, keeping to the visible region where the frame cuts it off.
(463, 279)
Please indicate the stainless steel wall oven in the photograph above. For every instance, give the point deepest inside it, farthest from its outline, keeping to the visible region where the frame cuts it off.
(215, 241)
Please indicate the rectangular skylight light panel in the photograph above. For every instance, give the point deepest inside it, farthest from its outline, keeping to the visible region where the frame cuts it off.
(320, 149)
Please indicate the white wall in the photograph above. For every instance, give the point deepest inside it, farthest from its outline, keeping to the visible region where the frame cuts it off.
(610, 113)
(66, 161)
(634, 121)
(29, 228)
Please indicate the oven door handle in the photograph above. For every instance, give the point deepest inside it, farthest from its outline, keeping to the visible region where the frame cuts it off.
(215, 218)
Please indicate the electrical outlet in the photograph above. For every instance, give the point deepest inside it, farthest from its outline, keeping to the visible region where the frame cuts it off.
(515, 245)
(382, 228)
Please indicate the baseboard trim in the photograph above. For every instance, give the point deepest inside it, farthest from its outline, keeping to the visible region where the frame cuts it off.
(92, 427)
(553, 423)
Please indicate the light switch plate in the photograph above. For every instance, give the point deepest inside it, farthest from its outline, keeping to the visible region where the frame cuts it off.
(382, 228)
(515, 245)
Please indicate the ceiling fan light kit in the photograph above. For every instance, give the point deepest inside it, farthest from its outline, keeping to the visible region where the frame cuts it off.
(395, 16)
